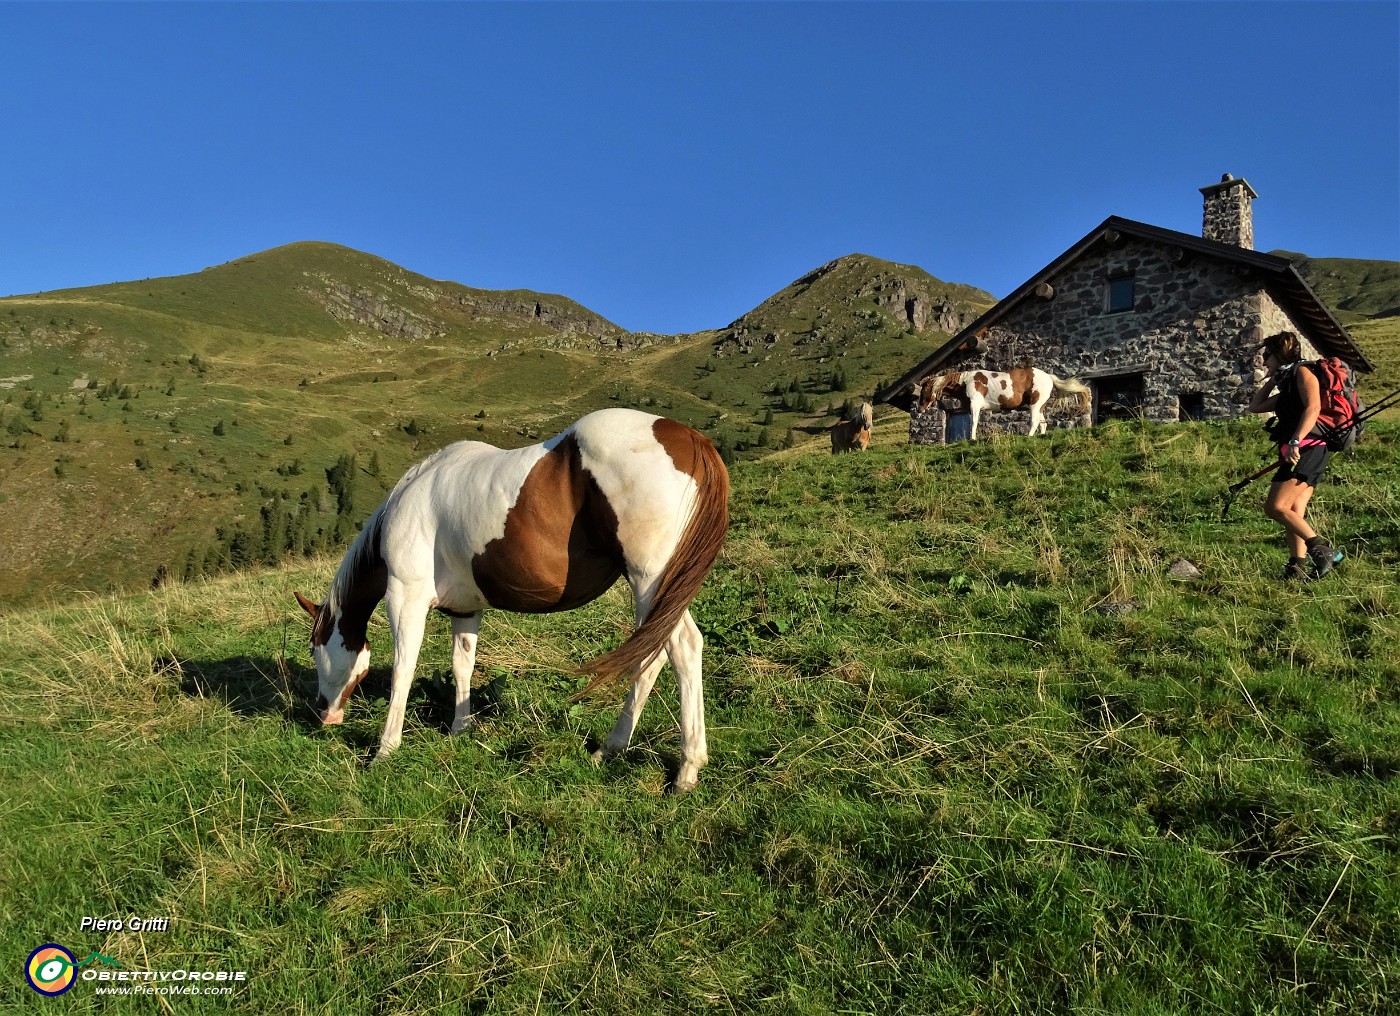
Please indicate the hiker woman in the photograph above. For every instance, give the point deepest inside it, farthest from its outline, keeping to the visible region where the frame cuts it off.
(1293, 395)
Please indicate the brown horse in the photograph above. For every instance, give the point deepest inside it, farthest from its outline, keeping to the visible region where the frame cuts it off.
(853, 435)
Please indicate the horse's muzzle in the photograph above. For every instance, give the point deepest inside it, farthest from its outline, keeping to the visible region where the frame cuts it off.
(329, 717)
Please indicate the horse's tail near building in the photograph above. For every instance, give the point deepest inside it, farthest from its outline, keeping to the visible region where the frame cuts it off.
(1073, 386)
(680, 580)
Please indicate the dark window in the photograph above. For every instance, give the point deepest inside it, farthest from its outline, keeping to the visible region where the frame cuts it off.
(1118, 397)
(1192, 406)
(1121, 294)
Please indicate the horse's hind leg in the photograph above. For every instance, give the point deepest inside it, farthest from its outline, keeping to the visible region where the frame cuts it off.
(637, 695)
(686, 649)
(1037, 420)
(464, 632)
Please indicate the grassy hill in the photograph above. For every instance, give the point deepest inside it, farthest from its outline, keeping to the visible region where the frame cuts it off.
(184, 426)
(1356, 290)
(973, 750)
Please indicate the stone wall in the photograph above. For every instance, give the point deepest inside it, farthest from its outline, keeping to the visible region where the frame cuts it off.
(1193, 331)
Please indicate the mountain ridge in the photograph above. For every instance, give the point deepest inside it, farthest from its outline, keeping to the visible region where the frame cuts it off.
(261, 407)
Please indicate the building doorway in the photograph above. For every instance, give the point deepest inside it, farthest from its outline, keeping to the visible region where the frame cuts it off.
(1118, 397)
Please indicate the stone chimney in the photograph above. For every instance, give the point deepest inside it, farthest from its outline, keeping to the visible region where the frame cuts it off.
(1228, 215)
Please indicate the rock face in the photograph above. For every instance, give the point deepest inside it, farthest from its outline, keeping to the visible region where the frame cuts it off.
(847, 300)
(906, 301)
(373, 310)
(399, 305)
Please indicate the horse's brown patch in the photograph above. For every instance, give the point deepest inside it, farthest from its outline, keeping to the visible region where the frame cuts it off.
(350, 686)
(560, 548)
(979, 381)
(679, 442)
(1021, 382)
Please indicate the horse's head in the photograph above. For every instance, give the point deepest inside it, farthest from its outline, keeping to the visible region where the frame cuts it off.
(342, 661)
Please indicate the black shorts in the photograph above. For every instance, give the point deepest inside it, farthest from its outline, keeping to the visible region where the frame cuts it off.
(1312, 463)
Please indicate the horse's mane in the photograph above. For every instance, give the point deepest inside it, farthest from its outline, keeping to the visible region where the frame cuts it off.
(361, 564)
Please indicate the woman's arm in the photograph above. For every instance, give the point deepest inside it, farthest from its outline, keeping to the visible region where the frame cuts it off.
(1265, 398)
(1311, 394)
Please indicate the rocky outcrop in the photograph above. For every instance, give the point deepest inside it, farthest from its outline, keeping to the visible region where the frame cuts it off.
(375, 310)
(850, 300)
(564, 318)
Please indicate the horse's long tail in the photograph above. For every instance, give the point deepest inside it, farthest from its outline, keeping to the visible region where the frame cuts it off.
(680, 580)
(1073, 386)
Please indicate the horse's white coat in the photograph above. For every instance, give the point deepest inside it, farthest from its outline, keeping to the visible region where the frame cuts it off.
(443, 515)
(1030, 388)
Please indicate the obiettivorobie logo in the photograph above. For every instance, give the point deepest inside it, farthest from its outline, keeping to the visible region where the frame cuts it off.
(51, 969)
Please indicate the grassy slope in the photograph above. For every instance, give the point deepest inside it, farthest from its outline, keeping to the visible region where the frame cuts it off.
(1354, 288)
(100, 494)
(942, 782)
(251, 344)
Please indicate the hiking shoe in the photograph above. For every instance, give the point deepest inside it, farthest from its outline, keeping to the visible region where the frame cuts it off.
(1324, 559)
(1295, 570)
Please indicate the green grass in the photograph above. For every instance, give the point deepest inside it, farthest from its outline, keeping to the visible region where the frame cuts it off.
(945, 778)
(252, 344)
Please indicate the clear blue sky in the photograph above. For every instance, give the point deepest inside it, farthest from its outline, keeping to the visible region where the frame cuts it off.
(671, 165)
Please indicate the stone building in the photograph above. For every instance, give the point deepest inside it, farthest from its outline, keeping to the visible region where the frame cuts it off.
(1156, 322)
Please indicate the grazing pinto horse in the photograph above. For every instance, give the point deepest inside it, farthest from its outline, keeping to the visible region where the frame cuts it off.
(535, 530)
(1024, 388)
(853, 435)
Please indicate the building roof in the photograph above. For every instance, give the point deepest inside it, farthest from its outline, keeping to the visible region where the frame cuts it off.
(1278, 274)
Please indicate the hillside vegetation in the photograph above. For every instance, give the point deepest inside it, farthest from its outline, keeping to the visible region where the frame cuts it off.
(258, 410)
(1355, 289)
(973, 751)
(183, 426)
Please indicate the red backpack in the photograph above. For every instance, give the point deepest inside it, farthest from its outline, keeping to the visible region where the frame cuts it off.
(1337, 422)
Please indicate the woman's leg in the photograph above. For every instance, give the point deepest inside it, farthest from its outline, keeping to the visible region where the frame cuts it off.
(1287, 505)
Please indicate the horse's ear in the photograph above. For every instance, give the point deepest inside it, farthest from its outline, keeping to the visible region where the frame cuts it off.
(308, 606)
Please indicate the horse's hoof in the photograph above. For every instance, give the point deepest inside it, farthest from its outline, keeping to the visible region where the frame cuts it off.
(682, 785)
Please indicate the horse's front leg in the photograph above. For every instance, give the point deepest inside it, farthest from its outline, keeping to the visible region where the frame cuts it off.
(464, 632)
(976, 415)
(408, 614)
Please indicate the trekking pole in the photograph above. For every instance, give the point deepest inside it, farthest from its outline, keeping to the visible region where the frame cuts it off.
(1384, 402)
(1234, 489)
(1381, 404)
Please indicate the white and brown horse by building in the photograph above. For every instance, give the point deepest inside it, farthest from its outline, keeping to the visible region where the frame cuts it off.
(853, 435)
(539, 529)
(1023, 388)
